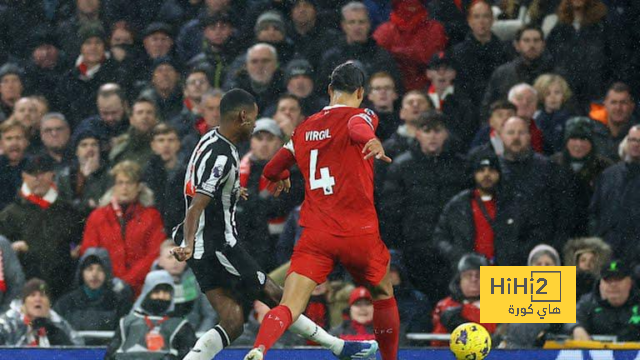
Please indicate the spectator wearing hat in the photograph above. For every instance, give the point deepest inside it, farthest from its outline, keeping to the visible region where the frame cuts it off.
(86, 13)
(487, 140)
(270, 28)
(164, 174)
(111, 119)
(135, 144)
(541, 184)
(11, 88)
(580, 158)
(463, 303)
(261, 218)
(543, 255)
(412, 37)
(86, 180)
(382, 95)
(127, 225)
(487, 219)
(164, 88)
(588, 255)
(611, 308)
(55, 134)
(479, 53)
(359, 324)
(98, 300)
(614, 213)
(46, 66)
(449, 100)
(196, 84)
(14, 143)
(190, 36)
(299, 81)
(307, 32)
(356, 44)
(78, 88)
(31, 322)
(42, 227)
(220, 48)
(260, 76)
(157, 42)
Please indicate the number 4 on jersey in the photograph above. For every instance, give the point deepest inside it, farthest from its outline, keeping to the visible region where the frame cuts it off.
(326, 181)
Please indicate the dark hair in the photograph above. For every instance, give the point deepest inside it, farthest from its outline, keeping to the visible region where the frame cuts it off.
(163, 129)
(620, 87)
(347, 77)
(431, 120)
(146, 99)
(291, 97)
(503, 105)
(594, 11)
(234, 100)
(529, 27)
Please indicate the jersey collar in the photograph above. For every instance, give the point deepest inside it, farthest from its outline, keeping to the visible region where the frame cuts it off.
(334, 107)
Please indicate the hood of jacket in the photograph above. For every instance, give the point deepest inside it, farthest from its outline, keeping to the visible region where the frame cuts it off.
(146, 197)
(575, 247)
(103, 257)
(153, 279)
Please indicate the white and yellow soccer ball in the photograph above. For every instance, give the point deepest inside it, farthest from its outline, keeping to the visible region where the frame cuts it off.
(470, 341)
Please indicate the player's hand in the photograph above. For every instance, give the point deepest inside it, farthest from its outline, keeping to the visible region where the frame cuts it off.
(374, 148)
(182, 253)
(278, 187)
(20, 246)
(244, 193)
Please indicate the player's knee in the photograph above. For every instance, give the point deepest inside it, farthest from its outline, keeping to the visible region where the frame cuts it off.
(271, 294)
(382, 291)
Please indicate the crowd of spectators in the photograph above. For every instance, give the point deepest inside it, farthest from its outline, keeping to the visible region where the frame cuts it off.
(512, 124)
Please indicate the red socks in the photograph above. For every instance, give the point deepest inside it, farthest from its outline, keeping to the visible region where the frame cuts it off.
(274, 324)
(386, 325)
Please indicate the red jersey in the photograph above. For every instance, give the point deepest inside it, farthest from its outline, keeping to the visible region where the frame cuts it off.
(338, 181)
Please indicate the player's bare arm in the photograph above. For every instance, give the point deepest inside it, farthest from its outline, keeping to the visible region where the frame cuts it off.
(198, 205)
(374, 148)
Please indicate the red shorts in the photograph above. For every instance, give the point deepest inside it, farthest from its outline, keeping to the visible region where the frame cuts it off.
(365, 257)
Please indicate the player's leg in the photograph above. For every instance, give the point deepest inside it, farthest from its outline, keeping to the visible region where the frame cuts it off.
(370, 265)
(222, 335)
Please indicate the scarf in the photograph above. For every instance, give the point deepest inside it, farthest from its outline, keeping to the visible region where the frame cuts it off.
(276, 225)
(438, 100)
(87, 73)
(408, 14)
(43, 202)
(497, 143)
(35, 337)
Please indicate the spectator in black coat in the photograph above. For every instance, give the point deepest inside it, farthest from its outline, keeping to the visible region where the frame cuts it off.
(164, 174)
(262, 216)
(260, 76)
(487, 140)
(99, 300)
(84, 13)
(450, 100)
(357, 45)
(47, 64)
(307, 33)
(541, 184)
(111, 120)
(611, 308)
(14, 143)
(78, 89)
(479, 54)
(11, 88)
(419, 183)
(614, 208)
(580, 47)
(382, 95)
(164, 88)
(580, 158)
(413, 305)
(553, 94)
(531, 63)
(488, 220)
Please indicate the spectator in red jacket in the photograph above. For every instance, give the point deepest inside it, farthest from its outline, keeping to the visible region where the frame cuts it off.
(126, 226)
(463, 305)
(359, 325)
(412, 37)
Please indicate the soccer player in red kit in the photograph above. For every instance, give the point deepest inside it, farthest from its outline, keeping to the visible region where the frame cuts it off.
(335, 150)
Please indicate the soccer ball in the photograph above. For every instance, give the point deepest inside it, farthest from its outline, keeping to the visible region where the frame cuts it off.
(470, 341)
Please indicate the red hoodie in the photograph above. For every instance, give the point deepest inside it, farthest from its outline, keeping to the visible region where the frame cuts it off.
(412, 38)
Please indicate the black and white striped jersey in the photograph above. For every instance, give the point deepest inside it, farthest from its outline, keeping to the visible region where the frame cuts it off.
(213, 171)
